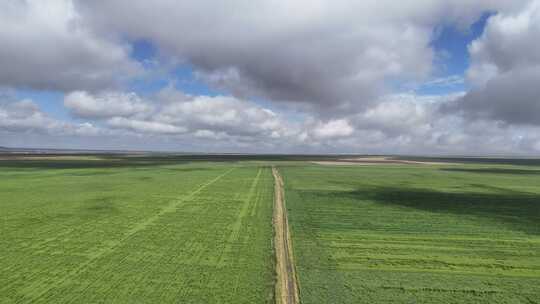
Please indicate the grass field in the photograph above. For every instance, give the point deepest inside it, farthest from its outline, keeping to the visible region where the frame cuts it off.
(198, 229)
(135, 231)
(415, 234)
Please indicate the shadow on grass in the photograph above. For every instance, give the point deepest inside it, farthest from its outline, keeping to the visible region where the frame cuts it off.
(56, 161)
(516, 210)
(104, 162)
(494, 170)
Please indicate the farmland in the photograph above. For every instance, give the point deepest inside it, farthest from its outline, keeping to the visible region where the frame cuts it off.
(115, 230)
(200, 229)
(415, 234)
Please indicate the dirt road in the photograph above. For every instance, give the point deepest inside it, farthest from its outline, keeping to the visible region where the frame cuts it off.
(286, 285)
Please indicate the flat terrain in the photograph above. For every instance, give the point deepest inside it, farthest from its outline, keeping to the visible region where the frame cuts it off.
(141, 230)
(113, 228)
(415, 233)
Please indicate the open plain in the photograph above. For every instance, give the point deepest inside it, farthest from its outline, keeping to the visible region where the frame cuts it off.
(267, 229)
(415, 233)
(135, 230)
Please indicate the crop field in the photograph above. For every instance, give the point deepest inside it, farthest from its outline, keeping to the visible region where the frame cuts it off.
(94, 230)
(415, 234)
(204, 229)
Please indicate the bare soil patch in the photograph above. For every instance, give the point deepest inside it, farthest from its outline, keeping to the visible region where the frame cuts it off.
(363, 161)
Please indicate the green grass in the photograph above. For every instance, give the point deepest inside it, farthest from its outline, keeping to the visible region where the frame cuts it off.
(197, 229)
(135, 231)
(415, 234)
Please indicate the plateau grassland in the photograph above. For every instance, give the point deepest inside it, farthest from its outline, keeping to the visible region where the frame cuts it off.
(415, 233)
(135, 230)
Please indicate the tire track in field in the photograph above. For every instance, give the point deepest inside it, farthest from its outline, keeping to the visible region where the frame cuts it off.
(35, 293)
(286, 285)
(235, 233)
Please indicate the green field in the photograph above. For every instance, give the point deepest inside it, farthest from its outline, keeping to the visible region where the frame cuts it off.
(415, 234)
(135, 231)
(198, 229)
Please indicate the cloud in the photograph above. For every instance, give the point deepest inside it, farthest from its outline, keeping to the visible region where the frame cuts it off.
(400, 123)
(508, 43)
(333, 129)
(143, 126)
(295, 76)
(173, 112)
(505, 70)
(405, 113)
(221, 113)
(512, 97)
(48, 45)
(334, 56)
(103, 105)
(24, 117)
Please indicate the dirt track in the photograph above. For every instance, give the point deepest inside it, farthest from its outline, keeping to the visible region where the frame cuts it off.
(286, 285)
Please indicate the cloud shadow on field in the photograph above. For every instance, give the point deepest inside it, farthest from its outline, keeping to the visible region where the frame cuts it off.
(516, 210)
(88, 161)
(102, 163)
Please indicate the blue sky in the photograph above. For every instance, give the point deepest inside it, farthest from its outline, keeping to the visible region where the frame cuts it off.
(451, 46)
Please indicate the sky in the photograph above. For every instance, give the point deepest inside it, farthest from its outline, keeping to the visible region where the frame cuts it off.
(424, 77)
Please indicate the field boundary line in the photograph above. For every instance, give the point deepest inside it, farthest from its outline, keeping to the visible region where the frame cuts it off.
(111, 247)
(286, 283)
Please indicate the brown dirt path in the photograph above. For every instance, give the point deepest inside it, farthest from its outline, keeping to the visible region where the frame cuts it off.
(286, 285)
